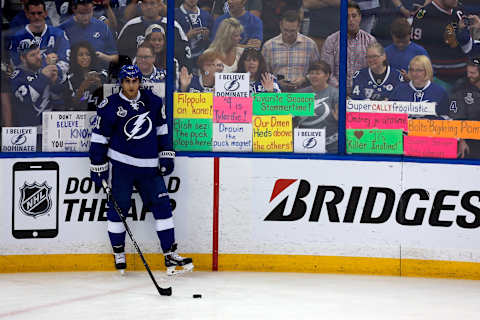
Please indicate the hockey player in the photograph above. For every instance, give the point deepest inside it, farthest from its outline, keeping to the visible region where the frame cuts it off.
(132, 134)
(378, 80)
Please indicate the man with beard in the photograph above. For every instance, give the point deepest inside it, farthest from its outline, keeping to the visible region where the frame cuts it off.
(33, 87)
(465, 105)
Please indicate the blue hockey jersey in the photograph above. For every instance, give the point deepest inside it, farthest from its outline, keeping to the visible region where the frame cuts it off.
(52, 40)
(196, 85)
(257, 87)
(188, 21)
(32, 96)
(131, 132)
(366, 88)
(96, 33)
(432, 92)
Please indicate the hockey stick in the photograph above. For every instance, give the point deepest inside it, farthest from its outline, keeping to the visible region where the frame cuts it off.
(108, 191)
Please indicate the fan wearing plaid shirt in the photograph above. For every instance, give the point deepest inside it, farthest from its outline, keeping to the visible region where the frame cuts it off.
(290, 54)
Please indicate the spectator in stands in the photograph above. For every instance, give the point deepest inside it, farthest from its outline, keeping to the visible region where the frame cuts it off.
(145, 59)
(358, 41)
(226, 44)
(368, 9)
(290, 54)
(378, 80)
(102, 10)
(434, 28)
(222, 7)
(421, 88)
(132, 34)
(84, 77)
(209, 63)
(326, 105)
(464, 105)
(402, 50)
(21, 19)
(252, 35)
(252, 61)
(51, 40)
(33, 87)
(196, 23)
(272, 13)
(321, 18)
(155, 35)
(84, 27)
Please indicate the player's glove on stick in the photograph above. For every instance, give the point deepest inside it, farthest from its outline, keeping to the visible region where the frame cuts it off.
(98, 173)
(166, 163)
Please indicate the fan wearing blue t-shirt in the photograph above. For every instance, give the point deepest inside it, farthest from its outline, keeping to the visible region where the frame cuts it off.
(402, 50)
(252, 35)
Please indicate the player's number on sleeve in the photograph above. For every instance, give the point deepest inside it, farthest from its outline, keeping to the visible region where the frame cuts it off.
(453, 106)
(356, 91)
(417, 34)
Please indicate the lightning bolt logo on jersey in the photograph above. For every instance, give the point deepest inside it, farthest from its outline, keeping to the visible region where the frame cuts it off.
(132, 132)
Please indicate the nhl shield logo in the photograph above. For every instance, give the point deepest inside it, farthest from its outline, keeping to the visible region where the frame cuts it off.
(35, 199)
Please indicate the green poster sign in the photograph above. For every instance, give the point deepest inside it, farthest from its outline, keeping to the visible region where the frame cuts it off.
(296, 104)
(192, 134)
(378, 141)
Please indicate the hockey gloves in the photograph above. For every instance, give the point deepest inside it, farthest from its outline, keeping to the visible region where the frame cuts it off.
(166, 163)
(99, 173)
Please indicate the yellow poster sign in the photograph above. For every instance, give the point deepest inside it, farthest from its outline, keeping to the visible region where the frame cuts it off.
(272, 133)
(193, 105)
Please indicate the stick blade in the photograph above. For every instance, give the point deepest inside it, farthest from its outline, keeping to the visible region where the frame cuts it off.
(165, 291)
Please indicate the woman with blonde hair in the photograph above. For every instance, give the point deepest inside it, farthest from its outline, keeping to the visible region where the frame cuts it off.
(421, 88)
(226, 43)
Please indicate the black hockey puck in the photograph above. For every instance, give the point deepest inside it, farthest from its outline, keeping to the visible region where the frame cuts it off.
(197, 296)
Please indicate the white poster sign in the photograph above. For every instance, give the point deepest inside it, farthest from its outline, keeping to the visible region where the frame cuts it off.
(112, 88)
(19, 139)
(232, 85)
(67, 130)
(232, 137)
(411, 108)
(309, 140)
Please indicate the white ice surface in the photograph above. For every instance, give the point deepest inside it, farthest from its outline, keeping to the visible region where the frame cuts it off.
(234, 295)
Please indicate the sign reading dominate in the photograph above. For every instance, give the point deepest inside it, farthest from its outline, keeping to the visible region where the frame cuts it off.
(67, 130)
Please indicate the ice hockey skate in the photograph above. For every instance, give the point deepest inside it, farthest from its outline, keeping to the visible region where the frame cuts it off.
(120, 261)
(174, 260)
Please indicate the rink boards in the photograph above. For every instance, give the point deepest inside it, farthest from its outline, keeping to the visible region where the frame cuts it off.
(335, 216)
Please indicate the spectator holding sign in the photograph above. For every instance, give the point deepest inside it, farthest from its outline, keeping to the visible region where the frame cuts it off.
(326, 105)
(226, 43)
(209, 63)
(378, 80)
(421, 88)
(253, 62)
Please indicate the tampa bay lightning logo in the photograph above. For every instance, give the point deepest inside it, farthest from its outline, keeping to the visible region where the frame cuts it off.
(232, 85)
(310, 143)
(138, 127)
(19, 140)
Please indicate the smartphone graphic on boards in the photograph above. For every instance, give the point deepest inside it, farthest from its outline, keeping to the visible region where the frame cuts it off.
(35, 200)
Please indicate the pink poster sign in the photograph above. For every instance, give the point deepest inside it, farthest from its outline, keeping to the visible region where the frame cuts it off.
(430, 147)
(232, 109)
(366, 120)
